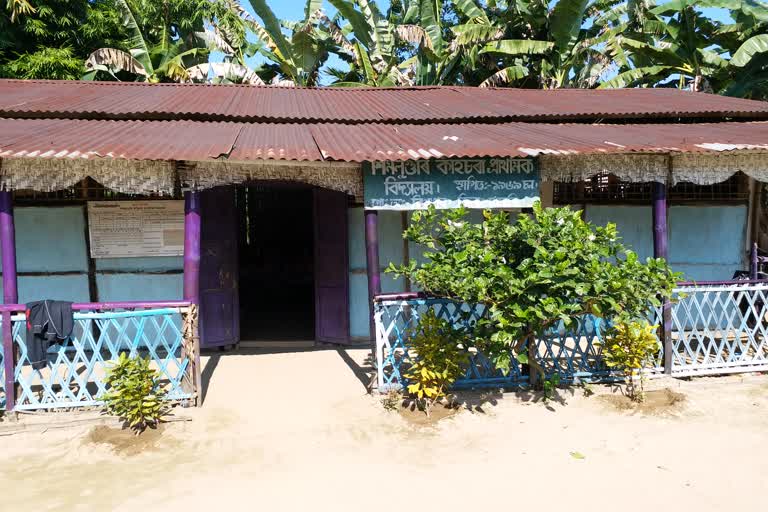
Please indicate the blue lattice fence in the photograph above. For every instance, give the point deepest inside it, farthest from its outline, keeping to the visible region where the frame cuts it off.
(714, 330)
(75, 370)
(574, 352)
(397, 320)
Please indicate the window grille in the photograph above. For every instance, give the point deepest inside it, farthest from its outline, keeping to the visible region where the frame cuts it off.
(606, 188)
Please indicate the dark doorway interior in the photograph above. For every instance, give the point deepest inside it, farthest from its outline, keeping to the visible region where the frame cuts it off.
(277, 297)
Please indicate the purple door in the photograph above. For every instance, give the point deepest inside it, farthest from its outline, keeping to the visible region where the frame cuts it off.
(219, 309)
(331, 268)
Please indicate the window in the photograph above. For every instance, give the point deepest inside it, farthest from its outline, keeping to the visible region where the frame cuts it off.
(606, 188)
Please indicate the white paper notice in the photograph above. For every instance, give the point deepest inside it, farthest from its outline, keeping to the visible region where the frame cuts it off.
(120, 229)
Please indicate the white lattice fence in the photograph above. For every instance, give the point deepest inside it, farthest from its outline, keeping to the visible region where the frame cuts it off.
(719, 329)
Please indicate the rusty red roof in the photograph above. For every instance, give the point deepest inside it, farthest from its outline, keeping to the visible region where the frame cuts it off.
(414, 105)
(197, 140)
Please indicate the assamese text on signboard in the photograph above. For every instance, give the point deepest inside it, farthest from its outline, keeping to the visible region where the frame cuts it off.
(450, 183)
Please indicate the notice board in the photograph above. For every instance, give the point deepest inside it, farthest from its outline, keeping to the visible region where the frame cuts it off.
(450, 183)
(124, 229)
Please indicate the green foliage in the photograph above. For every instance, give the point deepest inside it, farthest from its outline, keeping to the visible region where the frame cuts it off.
(56, 37)
(297, 50)
(550, 385)
(53, 38)
(544, 268)
(171, 41)
(436, 363)
(629, 346)
(586, 389)
(517, 43)
(45, 63)
(678, 44)
(134, 395)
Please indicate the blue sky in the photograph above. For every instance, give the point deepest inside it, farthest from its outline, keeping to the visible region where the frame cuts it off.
(294, 9)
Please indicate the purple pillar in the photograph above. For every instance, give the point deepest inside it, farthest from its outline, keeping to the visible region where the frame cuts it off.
(660, 239)
(8, 249)
(10, 294)
(372, 260)
(659, 220)
(192, 246)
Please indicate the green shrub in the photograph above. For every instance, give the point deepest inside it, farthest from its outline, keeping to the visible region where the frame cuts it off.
(549, 386)
(544, 268)
(134, 393)
(629, 346)
(437, 360)
(392, 400)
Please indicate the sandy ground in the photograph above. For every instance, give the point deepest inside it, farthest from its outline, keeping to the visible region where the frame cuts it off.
(296, 431)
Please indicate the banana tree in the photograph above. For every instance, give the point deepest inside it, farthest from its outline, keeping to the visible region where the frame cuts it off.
(746, 40)
(427, 50)
(406, 46)
(157, 54)
(371, 41)
(676, 45)
(224, 73)
(296, 50)
(531, 44)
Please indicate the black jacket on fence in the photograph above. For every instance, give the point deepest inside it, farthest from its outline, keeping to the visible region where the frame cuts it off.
(48, 322)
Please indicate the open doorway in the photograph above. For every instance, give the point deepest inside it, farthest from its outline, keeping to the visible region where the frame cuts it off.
(277, 267)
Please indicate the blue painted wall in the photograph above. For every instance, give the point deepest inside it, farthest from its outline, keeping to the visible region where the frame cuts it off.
(138, 282)
(71, 288)
(635, 225)
(390, 250)
(120, 287)
(158, 263)
(706, 243)
(52, 239)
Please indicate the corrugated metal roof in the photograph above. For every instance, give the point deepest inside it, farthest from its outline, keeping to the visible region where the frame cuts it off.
(157, 140)
(196, 140)
(121, 100)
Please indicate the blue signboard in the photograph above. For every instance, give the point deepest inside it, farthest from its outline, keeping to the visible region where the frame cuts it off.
(450, 183)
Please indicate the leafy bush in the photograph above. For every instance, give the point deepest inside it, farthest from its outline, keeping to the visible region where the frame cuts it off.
(437, 359)
(550, 385)
(628, 346)
(531, 274)
(134, 393)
